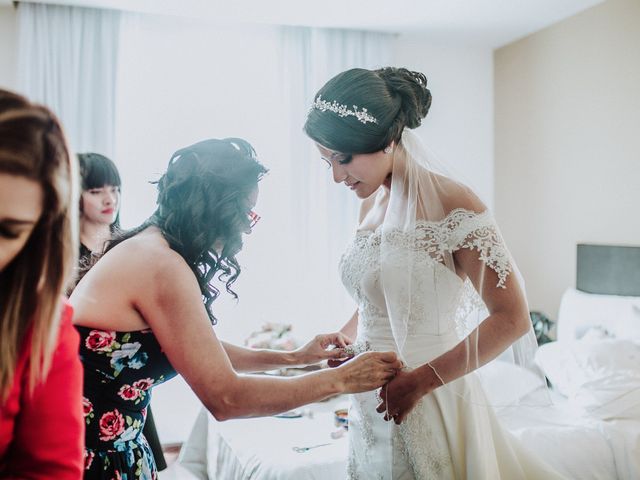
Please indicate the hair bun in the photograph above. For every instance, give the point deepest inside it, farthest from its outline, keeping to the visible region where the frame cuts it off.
(412, 88)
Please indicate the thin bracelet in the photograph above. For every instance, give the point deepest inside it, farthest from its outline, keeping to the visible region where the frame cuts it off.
(437, 374)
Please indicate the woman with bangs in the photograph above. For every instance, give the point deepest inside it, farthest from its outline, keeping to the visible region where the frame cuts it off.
(99, 203)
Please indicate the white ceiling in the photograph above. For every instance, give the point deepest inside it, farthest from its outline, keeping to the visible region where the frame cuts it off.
(492, 23)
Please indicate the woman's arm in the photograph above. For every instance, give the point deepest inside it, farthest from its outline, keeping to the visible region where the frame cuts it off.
(49, 432)
(170, 302)
(258, 360)
(508, 320)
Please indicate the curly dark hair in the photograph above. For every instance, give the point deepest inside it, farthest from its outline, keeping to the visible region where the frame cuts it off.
(202, 204)
(396, 97)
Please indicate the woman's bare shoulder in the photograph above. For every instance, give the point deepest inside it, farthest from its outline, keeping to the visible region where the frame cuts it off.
(149, 255)
(143, 263)
(455, 195)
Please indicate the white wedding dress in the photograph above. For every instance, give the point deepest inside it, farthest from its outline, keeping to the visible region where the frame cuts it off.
(447, 435)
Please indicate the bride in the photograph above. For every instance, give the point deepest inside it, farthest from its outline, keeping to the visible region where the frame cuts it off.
(433, 281)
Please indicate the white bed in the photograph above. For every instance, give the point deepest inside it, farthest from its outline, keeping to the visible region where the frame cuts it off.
(579, 446)
(591, 430)
(261, 449)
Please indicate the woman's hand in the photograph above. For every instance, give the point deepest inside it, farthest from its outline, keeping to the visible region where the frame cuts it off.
(402, 394)
(368, 371)
(318, 350)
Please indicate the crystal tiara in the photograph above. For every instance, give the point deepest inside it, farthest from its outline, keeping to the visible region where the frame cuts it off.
(341, 110)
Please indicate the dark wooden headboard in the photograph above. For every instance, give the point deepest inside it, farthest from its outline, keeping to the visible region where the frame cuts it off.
(608, 270)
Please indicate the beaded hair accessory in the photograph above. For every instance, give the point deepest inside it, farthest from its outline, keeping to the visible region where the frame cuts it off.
(341, 110)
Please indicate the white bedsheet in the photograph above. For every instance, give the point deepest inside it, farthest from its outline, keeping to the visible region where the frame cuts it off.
(261, 449)
(580, 447)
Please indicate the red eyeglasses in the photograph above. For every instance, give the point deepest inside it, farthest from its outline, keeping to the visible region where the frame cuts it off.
(253, 218)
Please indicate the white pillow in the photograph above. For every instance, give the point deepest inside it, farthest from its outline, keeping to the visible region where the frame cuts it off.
(600, 376)
(579, 311)
(505, 383)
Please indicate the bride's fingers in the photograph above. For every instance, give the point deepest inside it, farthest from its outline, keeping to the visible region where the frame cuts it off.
(381, 407)
(388, 416)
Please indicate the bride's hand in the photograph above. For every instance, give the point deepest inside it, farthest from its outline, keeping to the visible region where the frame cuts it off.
(318, 349)
(368, 370)
(400, 396)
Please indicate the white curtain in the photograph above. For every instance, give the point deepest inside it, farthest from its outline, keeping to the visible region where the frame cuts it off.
(323, 215)
(67, 59)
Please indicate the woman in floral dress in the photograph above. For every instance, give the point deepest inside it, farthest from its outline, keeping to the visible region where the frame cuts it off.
(144, 312)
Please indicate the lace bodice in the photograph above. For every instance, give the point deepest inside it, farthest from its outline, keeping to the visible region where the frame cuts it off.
(440, 298)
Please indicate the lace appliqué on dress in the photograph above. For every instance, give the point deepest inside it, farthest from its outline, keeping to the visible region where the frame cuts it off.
(360, 258)
(470, 302)
(478, 231)
(432, 242)
(352, 470)
(421, 446)
(360, 413)
(461, 228)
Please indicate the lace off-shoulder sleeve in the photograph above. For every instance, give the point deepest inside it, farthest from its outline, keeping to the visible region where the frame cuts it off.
(478, 231)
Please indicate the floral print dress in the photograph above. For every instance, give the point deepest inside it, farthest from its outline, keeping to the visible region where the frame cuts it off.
(120, 368)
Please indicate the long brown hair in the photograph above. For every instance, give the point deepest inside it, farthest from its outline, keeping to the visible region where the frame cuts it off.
(33, 145)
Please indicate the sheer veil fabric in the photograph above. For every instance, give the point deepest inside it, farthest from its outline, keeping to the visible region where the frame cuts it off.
(428, 213)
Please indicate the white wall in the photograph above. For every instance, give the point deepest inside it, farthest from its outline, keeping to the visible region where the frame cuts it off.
(8, 47)
(567, 143)
(459, 126)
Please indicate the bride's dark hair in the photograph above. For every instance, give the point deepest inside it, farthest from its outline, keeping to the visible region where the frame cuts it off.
(396, 97)
(203, 202)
